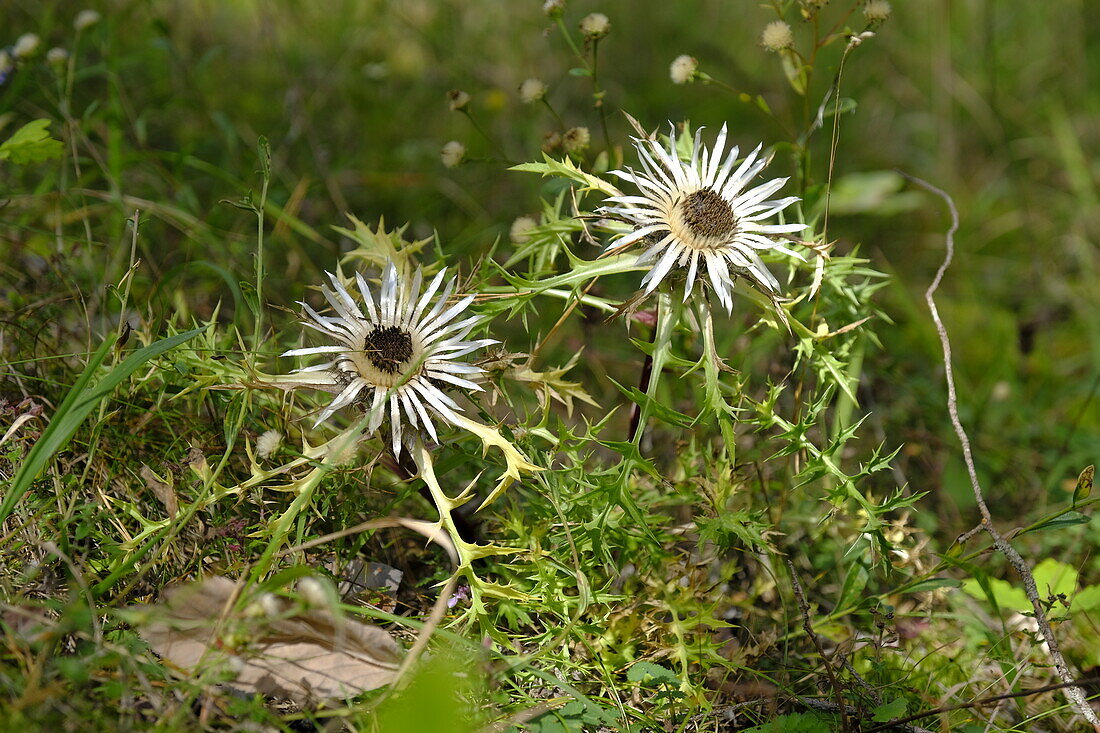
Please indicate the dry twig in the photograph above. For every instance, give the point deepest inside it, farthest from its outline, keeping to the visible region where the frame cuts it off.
(1075, 694)
(804, 609)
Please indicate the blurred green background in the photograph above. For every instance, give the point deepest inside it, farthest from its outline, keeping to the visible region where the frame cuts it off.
(995, 102)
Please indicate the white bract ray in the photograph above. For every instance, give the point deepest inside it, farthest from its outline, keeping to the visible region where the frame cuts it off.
(702, 212)
(397, 357)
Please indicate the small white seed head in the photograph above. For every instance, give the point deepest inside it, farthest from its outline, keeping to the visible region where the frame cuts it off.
(531, 90)
(57, 56)
(576, 139)
(452, 153)
(595, 26)
(554, 8)
(520, 228)
(267, 605)
(25, 46)
(314, 591)
(683, 69)
(777, 36)
(457, 99)
(85, 19)
(877, 11)
(551, 141)
(268, 442)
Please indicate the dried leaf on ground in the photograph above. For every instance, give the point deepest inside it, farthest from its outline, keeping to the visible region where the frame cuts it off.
(302, 654)
(162, 488)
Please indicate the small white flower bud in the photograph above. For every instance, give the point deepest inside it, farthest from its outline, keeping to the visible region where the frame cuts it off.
(520, 228)
(859, 38)
(457, 99)
(777, 36)
(576, 139)
(85, 19)
(314, 591)
(554, 8)
(531, 90)
(877, 11)
(25, 46)
(268, 443)
(683, 68)
(266, 605)
(551, 141)
(57, 56)
(452, 153)
(595, 26)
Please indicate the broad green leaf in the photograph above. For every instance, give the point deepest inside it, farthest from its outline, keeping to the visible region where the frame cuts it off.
(432, 701)
(933, 584)
(797, 723)
(795, 72)
(1088, 599)
(31, 143)
(1001, 593)
(872, 192)
(1055, 578)
(1052, 578)
(890, 711)
(854, 584)
(1069, 519)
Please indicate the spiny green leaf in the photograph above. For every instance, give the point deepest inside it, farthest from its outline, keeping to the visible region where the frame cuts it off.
(654, 407)
(651, 674)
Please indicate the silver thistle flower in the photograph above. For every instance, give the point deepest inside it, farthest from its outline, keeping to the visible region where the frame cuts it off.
(399, 356)
(702, 211)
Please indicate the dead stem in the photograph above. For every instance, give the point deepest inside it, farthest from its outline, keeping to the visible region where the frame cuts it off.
(1075, 694)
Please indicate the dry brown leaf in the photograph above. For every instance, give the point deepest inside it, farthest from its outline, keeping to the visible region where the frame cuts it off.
(29, 625)
(163, 489)
(305, 655)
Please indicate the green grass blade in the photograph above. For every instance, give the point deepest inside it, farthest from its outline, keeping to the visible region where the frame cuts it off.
(76, 406)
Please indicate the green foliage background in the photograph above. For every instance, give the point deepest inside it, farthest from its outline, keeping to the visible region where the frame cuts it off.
(994, 102)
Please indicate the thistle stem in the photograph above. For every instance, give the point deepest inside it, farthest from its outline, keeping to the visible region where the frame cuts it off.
(668, 315)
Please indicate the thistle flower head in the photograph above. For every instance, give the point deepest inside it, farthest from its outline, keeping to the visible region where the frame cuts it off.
(702, 211)
(595, 26)
(777, 36)
(683, 69)
(531, 90)
(452, 153)
(395, 355)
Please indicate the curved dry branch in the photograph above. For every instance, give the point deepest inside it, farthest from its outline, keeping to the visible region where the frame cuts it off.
(1075, 694)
